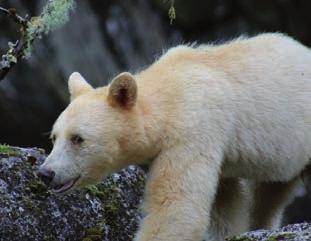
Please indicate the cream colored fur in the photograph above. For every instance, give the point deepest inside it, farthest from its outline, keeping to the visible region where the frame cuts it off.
(226, 129)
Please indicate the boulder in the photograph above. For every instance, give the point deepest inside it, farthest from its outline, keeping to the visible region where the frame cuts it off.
(292, 232)
(29, 211)
(104, 212)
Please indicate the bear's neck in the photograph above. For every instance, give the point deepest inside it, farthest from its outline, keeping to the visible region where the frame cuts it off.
(152, 122)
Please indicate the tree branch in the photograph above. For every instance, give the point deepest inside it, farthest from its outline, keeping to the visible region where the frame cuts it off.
(11, 12)
(54, 14)
(16, 51)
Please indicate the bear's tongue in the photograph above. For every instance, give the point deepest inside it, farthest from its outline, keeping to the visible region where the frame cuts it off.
(66, 186)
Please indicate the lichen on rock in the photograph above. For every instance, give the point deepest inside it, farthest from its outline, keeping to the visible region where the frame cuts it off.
(29, 211)
(104, 212)
(6, 150)
(292, 232)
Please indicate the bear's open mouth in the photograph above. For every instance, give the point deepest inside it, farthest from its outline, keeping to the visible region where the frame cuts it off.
(66, 186)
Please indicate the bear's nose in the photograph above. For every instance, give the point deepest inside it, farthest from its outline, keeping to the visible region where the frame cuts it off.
(46, 175)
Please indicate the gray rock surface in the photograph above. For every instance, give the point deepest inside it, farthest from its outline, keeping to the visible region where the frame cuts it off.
(292, 232)
(108, 211)
(28, 211)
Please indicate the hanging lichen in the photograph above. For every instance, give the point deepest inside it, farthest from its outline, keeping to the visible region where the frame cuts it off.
(172, 11)
(54, 14)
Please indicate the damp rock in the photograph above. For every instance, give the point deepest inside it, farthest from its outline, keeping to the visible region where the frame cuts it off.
(291, 232)
(29, 211)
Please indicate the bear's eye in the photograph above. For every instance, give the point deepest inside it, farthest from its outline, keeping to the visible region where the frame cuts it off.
(53, 138)
(76, 139)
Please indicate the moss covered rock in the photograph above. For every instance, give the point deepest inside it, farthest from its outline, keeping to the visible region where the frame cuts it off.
(292, 232)
(28, 211)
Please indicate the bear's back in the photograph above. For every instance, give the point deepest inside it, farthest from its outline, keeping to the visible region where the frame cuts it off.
(252, 94)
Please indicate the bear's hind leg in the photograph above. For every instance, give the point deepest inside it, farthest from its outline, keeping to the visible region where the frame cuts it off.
(269, 203)
(230, 210)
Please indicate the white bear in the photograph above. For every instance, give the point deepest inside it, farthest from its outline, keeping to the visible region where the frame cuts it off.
(226, 130)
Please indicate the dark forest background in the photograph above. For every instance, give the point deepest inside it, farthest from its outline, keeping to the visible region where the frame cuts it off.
(103, 38)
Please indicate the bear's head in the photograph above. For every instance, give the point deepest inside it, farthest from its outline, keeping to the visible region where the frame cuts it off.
(101, 131)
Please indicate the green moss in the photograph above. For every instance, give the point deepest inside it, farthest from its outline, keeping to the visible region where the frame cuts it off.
(287, 235)
(8, 150)
(94, 231)
(37, 187)
(49, 237)
(28, 202)
(105, 194)
(112, 205)
(240, 238)
(282, 236)
(94, 234)
(94, 190)
(141, 182)
(272, 238)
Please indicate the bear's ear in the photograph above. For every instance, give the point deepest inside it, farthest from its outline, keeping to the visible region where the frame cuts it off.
(123, 91)
(77, 85)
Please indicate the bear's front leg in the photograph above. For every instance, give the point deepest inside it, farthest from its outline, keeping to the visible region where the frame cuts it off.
(179, 194)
